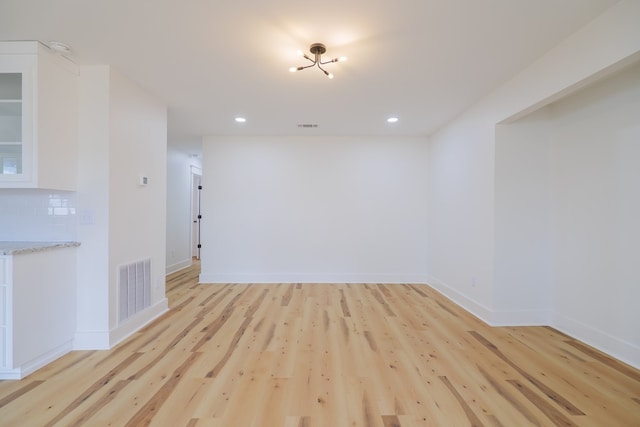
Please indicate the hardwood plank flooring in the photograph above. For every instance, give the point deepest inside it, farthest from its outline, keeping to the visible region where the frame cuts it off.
(326, 355)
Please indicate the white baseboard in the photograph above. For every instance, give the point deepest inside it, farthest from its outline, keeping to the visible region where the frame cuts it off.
(37, 363)
(473, 307)
(137, 322)
(178, 266)
(611, 345)
(614, 346)
(11, 374)
(521, 318)
(489, 316)
(91, 340)
(104, 340)
(312, 278)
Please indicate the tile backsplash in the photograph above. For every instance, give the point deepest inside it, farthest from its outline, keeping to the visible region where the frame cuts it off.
(37, 215)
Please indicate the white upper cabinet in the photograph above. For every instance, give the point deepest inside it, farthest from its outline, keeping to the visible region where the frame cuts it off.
(38, 118)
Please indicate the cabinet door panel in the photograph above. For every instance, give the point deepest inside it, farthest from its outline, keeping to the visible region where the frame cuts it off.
(16, 119)
(38, 118)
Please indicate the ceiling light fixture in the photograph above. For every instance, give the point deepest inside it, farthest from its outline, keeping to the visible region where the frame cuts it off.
(59, 47)
(318, 49)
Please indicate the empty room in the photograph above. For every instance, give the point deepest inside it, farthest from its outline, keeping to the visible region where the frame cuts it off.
(346, 213)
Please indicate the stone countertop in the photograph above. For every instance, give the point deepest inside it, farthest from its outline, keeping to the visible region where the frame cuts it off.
(17, 248)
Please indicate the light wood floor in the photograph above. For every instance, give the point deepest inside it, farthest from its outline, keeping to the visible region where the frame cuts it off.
(326, 355)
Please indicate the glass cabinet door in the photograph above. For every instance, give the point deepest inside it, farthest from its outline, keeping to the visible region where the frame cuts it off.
(11, 124)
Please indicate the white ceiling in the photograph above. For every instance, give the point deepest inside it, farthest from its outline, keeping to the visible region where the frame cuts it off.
(423, 61)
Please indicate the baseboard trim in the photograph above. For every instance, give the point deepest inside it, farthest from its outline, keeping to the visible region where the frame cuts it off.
(104, 340)
(33, 365)
(480, 311)
(613, 346)
(312, 278)
(489, 316)
(177, 266)
(520, 318)
(91, 340)
(137, 322)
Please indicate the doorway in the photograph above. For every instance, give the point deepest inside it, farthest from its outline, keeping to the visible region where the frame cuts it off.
(196, 216)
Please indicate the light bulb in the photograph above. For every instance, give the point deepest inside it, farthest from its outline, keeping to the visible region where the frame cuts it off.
(330, 75)
(342, 59)
(293, 69)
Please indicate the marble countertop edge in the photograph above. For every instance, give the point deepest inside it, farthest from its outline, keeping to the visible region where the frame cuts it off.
(17, 248)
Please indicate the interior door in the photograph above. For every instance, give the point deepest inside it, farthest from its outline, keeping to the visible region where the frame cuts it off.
(196, 190)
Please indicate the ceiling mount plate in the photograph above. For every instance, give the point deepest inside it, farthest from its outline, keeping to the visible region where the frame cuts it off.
(318, 48)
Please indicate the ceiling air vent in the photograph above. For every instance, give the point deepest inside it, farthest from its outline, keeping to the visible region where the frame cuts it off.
(307, 125)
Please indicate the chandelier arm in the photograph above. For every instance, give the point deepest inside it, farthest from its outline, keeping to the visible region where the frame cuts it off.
(329, 61)
(306, 57)
(323, 70)
(305, 67)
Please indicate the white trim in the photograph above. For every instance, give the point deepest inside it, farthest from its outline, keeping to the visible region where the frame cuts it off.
(521, 318)
(492, 317)
(195, 172)
(609, 344)
(472, 306)
(178, 266)
(137, 322)
(312, 278)
(105, 340)
(37, 363)
(91, 340)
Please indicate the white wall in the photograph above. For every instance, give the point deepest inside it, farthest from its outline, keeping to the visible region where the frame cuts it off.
(461, 198)
(523, 221)
(312, 209)
(567, 204)
(137, 214)
(123, 135)
(179, 166)
(465, 199)
(596, 201)
(93, 208)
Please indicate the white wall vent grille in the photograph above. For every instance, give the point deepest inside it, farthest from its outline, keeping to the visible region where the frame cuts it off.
(135, 288)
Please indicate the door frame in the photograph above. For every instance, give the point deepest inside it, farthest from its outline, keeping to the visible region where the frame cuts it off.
(196, 197)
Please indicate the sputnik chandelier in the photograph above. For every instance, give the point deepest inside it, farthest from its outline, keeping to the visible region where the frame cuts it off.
(317, 49)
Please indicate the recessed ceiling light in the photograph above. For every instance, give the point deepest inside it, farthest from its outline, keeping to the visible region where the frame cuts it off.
(240, 119)
(392, 120)
(59, 47)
